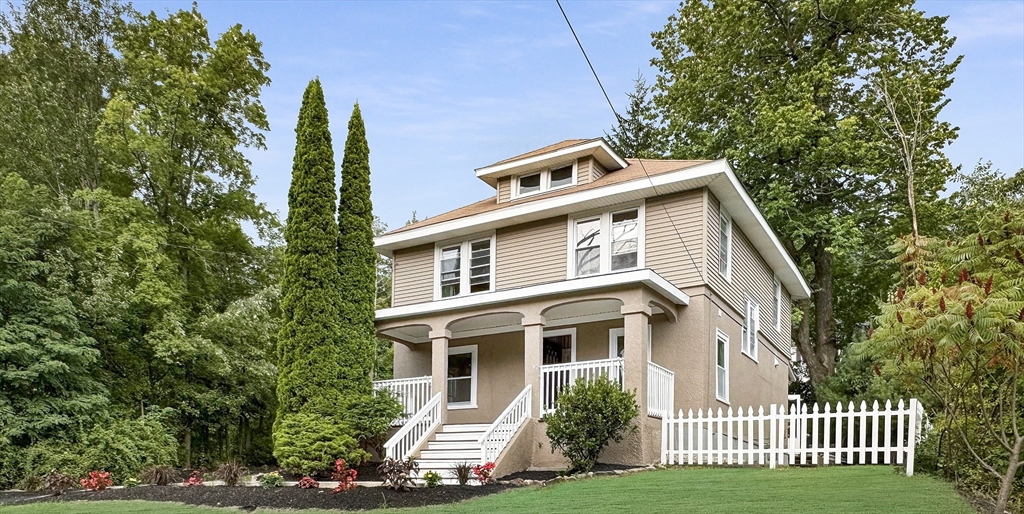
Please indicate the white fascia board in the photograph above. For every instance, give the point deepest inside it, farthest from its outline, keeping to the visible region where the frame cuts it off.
(763, 237)
(569, 150)
(641, 276)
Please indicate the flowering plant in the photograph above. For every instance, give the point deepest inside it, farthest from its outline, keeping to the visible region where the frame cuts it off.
(97, 481)
(483, 473)
(346, 477)
(195, 479)
(308, 483)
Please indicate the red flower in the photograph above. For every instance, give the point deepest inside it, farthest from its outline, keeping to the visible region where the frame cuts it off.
(988, 285)
(920, 279)
(899, 317)
(942, 304)
(970, 310)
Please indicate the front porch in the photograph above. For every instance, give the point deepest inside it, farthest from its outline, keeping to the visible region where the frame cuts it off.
(483, 367)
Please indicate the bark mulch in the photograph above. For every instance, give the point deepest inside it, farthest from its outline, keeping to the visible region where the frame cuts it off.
(548, 475)
(251, 498)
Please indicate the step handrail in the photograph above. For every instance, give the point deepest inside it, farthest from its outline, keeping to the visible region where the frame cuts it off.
(498, 435)
(415, 431)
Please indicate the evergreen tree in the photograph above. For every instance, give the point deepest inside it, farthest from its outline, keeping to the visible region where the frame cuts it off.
(309, 354)
(638, 133)
(357, 262)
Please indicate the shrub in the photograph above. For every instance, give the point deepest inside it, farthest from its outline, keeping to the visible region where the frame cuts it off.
(587, 417)
(346, 477)
(96, 481)
(432, 479)
(157, 475)
(462, 472)
(231, 472)
(58, 483)
(130, 482)
(371, 418)
(31, 483)
(308, 483)
(271, 480)
(397, 474)
(483, 473)
(195, 479)
(307, 443)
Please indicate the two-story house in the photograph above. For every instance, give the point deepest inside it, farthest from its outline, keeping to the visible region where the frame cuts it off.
(661, 275)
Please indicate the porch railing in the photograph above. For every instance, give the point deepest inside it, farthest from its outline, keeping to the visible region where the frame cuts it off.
(414, 432)
(498, 435)
(413, 393)
(556, 378)
(661, 388)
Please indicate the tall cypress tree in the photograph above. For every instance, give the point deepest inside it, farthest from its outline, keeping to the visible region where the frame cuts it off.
(356, 258)
(309, 354)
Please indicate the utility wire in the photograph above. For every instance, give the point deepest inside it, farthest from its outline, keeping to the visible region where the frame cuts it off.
(638, 159)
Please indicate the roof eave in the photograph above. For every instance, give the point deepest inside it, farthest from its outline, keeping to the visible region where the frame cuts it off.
(599, 148)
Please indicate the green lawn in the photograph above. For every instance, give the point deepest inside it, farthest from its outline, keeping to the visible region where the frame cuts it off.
(852, 490)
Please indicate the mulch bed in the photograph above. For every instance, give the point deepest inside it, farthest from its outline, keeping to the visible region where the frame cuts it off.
(548, 475)
(250, 498)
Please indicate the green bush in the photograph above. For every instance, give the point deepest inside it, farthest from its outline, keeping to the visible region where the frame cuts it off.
(271, 480)
(308, 443)
(587, 417)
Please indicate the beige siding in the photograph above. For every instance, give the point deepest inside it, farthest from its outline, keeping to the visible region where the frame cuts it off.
(750, 277)
(532, 253)
(413, 280)
(583, 173)
(504, 189)
(596, 170)
(663, 252)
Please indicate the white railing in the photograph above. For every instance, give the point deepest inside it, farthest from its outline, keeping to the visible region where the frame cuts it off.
(556, 378)
(498, 435)
(815, 436)
(661, 389)
(413, 393)
(415, 431)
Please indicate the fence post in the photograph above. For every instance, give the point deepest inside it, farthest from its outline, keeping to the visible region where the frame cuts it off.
(913, 427)
(773, 423)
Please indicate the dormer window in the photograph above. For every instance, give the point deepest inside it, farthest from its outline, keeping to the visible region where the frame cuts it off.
(546, 180)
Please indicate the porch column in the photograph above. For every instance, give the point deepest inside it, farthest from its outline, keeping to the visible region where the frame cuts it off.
(533, 343)
(439, 368)
(635, 353)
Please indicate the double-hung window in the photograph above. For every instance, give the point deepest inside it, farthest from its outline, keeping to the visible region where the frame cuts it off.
(725, 245)
(546, 180)
(462, 366)
(606, 242)
(465, 267)
(751, 326)
(721, 366)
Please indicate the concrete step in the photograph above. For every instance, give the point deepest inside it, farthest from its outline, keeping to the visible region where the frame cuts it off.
(456, 455)
(443, 465)
(481, 428)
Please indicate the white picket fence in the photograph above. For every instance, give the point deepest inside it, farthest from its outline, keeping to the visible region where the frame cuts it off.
(794, 435)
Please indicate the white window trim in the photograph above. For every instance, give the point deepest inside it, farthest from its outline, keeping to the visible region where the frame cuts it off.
(719, 335)
(606, 239)
(456, 350)
(777, 291)
(752, 323)
(465, 255)
(614, 333)
(564, 332)
(723, 215)
(545, 180)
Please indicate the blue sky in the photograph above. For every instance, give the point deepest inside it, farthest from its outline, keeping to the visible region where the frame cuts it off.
(446, 87)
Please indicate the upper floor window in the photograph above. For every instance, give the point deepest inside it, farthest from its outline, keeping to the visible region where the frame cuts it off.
(751, 326)
(778, 305)
(464, 267)
(554, 178)
(610, 241)
(725, 245)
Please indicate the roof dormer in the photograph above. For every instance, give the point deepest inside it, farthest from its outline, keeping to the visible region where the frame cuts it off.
(562, 165)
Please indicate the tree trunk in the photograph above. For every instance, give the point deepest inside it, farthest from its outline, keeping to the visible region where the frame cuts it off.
(188, 447)
(1007, 483)
(819, 350)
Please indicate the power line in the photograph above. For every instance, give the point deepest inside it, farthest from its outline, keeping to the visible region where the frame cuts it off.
(638, 159)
